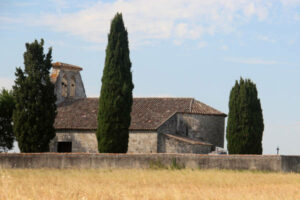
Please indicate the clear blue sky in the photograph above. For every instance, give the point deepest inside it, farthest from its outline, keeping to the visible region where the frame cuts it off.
(179, 48)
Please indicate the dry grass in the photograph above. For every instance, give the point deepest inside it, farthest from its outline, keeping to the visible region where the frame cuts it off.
(147, 184)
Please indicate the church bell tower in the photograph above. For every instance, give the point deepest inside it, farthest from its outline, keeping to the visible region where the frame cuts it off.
(67, 81)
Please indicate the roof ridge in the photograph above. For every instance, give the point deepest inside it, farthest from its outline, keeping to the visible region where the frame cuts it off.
(220, 112)
(65, 65)
(153, 98)
(163, 97)
(192, 99)
(167, 118)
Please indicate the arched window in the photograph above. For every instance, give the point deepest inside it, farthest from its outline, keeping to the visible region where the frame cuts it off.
(72, 87)
(64, 86)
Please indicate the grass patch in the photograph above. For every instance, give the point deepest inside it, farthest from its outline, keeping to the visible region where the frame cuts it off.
(147, 184)
(157, 164)
(176, 165)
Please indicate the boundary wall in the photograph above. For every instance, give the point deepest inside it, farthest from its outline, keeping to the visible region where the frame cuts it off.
(161, 160)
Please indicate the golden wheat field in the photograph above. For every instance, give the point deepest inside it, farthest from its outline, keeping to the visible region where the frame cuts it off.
(147, 184)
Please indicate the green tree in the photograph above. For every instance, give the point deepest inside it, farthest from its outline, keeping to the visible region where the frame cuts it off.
(245, 124)
(35, 110)
(116, 92)
(7, 105)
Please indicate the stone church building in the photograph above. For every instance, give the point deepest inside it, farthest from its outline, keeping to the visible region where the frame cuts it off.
(158, 125)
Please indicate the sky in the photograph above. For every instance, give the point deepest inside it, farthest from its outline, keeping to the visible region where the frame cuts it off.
(178, 48)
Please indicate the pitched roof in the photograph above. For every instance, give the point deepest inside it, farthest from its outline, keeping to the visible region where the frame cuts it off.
(146, 114)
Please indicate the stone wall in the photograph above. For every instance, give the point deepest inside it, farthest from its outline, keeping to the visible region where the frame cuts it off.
(171, 145)
(79, 87)
(82, 141)
(142, 142)
(86, 141)
(195, 161)
(207, 128)
(291, 163)
(169, 126)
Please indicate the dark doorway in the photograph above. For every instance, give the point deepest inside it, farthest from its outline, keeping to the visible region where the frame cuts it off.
(64, 147)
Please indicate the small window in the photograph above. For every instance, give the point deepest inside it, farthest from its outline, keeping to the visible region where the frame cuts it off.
(64, 86)
(72, 87)
(64, 147)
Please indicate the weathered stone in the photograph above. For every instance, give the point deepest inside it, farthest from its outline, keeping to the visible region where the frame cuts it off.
(170, 145)
(207, 128)
(194, 161)
(142, 142)
(68, 82)
(86, 141)
(82, 141)
(204, 128)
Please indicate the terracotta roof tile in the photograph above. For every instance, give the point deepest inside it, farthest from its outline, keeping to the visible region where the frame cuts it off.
(61, 65)
(147, 113)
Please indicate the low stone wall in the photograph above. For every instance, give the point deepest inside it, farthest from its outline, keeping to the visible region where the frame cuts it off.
(195, 161)
(290, 163)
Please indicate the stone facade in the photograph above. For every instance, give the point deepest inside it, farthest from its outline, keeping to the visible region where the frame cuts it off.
(142, 142)
(170, 126)
(206, 128)
(82, 141)
(168, 144)
(86, 141)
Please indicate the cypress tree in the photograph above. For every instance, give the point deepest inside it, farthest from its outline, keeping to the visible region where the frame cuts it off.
(116, 92)
(35, 110)
(7, 105)
(245, 124)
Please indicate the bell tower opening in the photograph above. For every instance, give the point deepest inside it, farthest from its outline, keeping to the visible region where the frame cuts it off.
(64, 86)
(72, 87)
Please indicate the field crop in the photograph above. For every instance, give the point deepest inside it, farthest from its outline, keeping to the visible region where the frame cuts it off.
(147, 184)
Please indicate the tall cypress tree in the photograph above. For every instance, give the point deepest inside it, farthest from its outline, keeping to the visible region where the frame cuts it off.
(245, 124)
(35, 110)
(7, 105)
(116, 92)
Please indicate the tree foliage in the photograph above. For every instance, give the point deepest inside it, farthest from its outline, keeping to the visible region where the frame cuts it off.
(116, 92)
(35, 110)
(245, 124)
(7, 105)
